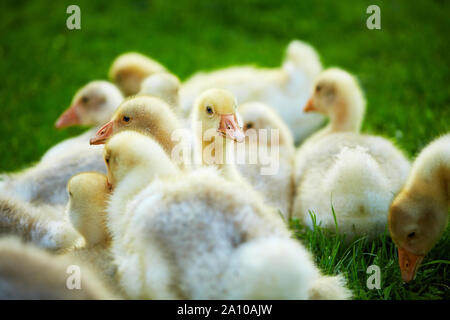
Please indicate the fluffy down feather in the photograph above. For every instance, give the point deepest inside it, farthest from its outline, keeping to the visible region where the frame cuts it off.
(28, 272)
(358, 175)
(197, 237)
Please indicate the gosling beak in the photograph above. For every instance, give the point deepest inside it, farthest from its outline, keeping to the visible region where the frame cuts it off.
(309, 107)
(229, 127)
(409, 264)
(69, 118)
(103, 134)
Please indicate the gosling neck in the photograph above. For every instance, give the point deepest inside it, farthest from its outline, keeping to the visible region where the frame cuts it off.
(217, 152)
(90, 223)
(347, 116)
(131, 184)
(430, 176)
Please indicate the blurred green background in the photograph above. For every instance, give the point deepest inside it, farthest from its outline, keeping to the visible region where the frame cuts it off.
(403, 69)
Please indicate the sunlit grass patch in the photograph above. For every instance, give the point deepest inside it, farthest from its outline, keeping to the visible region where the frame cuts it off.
(334, 254)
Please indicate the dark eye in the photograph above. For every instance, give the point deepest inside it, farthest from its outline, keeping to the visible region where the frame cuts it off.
(249, 125)
(126, 118)
(70, 193)
(318, 88)
(107, 160)
(85, 99)
(209, 110)
(411, 235)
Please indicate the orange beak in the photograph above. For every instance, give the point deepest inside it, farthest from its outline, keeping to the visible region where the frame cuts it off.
(409, 264)
(309, 107)
(103, 134)
(230, 129)
(69, 118)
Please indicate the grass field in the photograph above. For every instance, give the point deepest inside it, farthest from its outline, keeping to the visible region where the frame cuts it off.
(403, 68)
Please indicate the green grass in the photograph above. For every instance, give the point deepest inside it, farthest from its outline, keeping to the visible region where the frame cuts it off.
(403, 69)
(335, 255)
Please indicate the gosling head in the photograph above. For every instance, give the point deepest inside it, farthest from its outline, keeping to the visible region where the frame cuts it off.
(145, 114)
(130, 69)
(88, 194)
(337, 94)
(217, 109)
(130, 151)
(93, 104)
(257, 116)
(416, 223)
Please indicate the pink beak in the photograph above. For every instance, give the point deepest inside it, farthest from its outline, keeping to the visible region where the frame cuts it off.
(409, 264)
(103, 134)
(230, 128)
(69, 118)
(309, 107)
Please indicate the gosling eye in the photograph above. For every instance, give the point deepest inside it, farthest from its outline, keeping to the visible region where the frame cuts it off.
(411, 235)
(85, 99)
(126, 118)
(70, 194)
(249, 125)
(107, 160)
(209, 110)
(318, 88)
